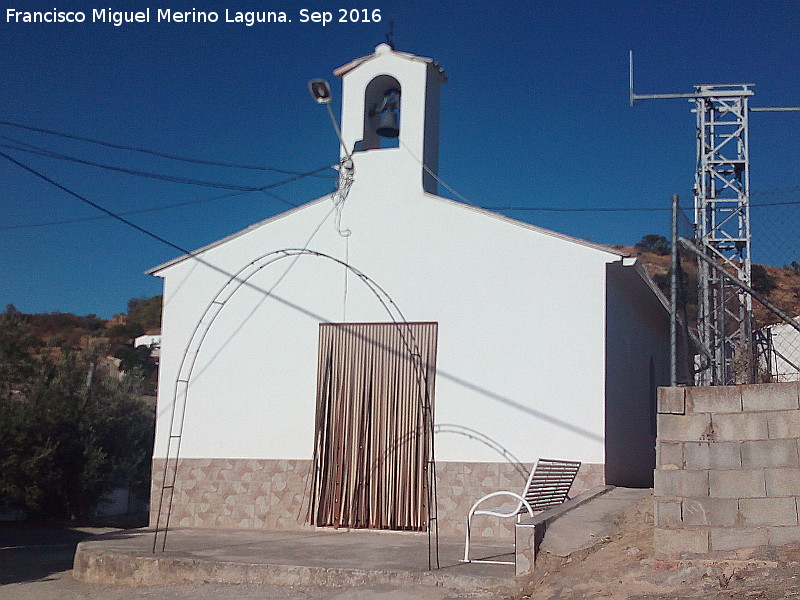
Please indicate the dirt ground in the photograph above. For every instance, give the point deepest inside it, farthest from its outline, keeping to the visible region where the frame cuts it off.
(623, 568)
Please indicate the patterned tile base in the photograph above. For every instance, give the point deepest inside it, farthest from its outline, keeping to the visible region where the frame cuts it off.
(274, 494)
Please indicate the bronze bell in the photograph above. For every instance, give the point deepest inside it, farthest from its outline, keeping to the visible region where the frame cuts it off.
(387, 124)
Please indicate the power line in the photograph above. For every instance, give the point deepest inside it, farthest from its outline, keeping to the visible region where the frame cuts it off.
(150, 175)
(33, 149)
(196, 161)
(457, 194)
(577, 209)
(273, 195)
(96, 206)
(265, 191)
(240, 190)
(142, 211)
(130, 212)
(617, 208)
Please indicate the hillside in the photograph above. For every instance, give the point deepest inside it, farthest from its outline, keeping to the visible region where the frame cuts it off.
(53, 334)
(780, 285)
(58, 329)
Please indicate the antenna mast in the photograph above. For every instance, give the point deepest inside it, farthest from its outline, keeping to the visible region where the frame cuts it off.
(722, 224)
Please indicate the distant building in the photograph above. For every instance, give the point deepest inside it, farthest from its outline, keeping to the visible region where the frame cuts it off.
(152, 341)
(783, 351)
(306, 389)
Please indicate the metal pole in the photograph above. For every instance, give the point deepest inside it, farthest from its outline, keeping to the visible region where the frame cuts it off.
(673, 297)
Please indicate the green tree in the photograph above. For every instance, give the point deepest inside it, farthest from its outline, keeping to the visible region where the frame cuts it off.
(761, 280)
(77, 434)
(146, 312)
(657, 244)
(16, 353)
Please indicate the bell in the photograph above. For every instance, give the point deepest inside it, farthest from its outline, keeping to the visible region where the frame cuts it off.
(387, 125)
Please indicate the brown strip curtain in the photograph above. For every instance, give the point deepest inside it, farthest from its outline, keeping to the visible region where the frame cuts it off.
(375, 387)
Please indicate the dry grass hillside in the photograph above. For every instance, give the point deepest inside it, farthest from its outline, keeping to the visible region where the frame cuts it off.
(780, 285)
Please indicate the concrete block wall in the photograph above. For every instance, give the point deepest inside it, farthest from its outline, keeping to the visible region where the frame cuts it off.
(727, 468)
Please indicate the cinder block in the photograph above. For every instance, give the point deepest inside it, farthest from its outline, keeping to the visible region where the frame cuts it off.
(739, 427)
(712, 455)
(781, 536)
(735, 539)
(783, 482)
(669, 454)
(784, 424)
(684, 483)
(745, 483)
(674, 543)
(672, 400)
(685, 428)
(710, 511)
(667, 514)
(769, 453)
(770, 396)
(772, 512)
(716, 399)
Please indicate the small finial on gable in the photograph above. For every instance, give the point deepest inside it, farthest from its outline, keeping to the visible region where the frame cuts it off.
(390, 33)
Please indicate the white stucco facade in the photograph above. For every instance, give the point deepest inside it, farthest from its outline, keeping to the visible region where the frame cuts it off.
(522, 312)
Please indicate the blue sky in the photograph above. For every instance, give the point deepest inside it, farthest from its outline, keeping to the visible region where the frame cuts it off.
(535, 114)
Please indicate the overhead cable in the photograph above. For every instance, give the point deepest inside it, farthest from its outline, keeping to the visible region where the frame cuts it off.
(131, 212)
(457, 194)
(159, 176)
(196, 161)
(85, 200)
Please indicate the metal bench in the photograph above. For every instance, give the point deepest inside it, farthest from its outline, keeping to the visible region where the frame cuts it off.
(547, 486)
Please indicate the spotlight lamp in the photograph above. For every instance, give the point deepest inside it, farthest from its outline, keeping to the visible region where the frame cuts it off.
(320, 91)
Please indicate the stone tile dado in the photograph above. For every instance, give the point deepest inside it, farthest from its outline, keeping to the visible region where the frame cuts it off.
(274, 494)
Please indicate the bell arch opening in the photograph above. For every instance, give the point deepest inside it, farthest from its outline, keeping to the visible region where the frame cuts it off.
(382, 113)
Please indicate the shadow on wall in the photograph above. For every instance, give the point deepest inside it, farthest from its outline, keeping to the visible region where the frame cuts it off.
(637, 362)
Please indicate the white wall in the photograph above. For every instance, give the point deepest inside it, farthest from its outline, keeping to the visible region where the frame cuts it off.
(520, 313)
(785, 352)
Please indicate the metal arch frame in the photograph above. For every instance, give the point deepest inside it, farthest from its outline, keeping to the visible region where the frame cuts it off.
(494, 445)
(191, 353)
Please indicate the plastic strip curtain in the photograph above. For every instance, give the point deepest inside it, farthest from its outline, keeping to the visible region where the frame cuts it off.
(373, 436)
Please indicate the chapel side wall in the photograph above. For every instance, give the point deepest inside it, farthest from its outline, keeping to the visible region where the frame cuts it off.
(728, 469)
(274, 494)
(637, 361)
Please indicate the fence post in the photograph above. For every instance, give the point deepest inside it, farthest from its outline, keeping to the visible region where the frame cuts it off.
(673, 297)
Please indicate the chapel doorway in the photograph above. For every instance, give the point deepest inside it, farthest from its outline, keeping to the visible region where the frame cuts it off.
(373, 435)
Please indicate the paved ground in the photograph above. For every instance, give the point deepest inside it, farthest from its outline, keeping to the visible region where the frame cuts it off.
(34, 565)
(308, 558)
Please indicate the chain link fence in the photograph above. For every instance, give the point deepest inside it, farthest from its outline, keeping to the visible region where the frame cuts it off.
(775, 224)
(770, 350)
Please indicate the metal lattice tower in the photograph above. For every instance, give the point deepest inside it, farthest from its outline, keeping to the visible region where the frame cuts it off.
(722, 229)
(722, 222)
